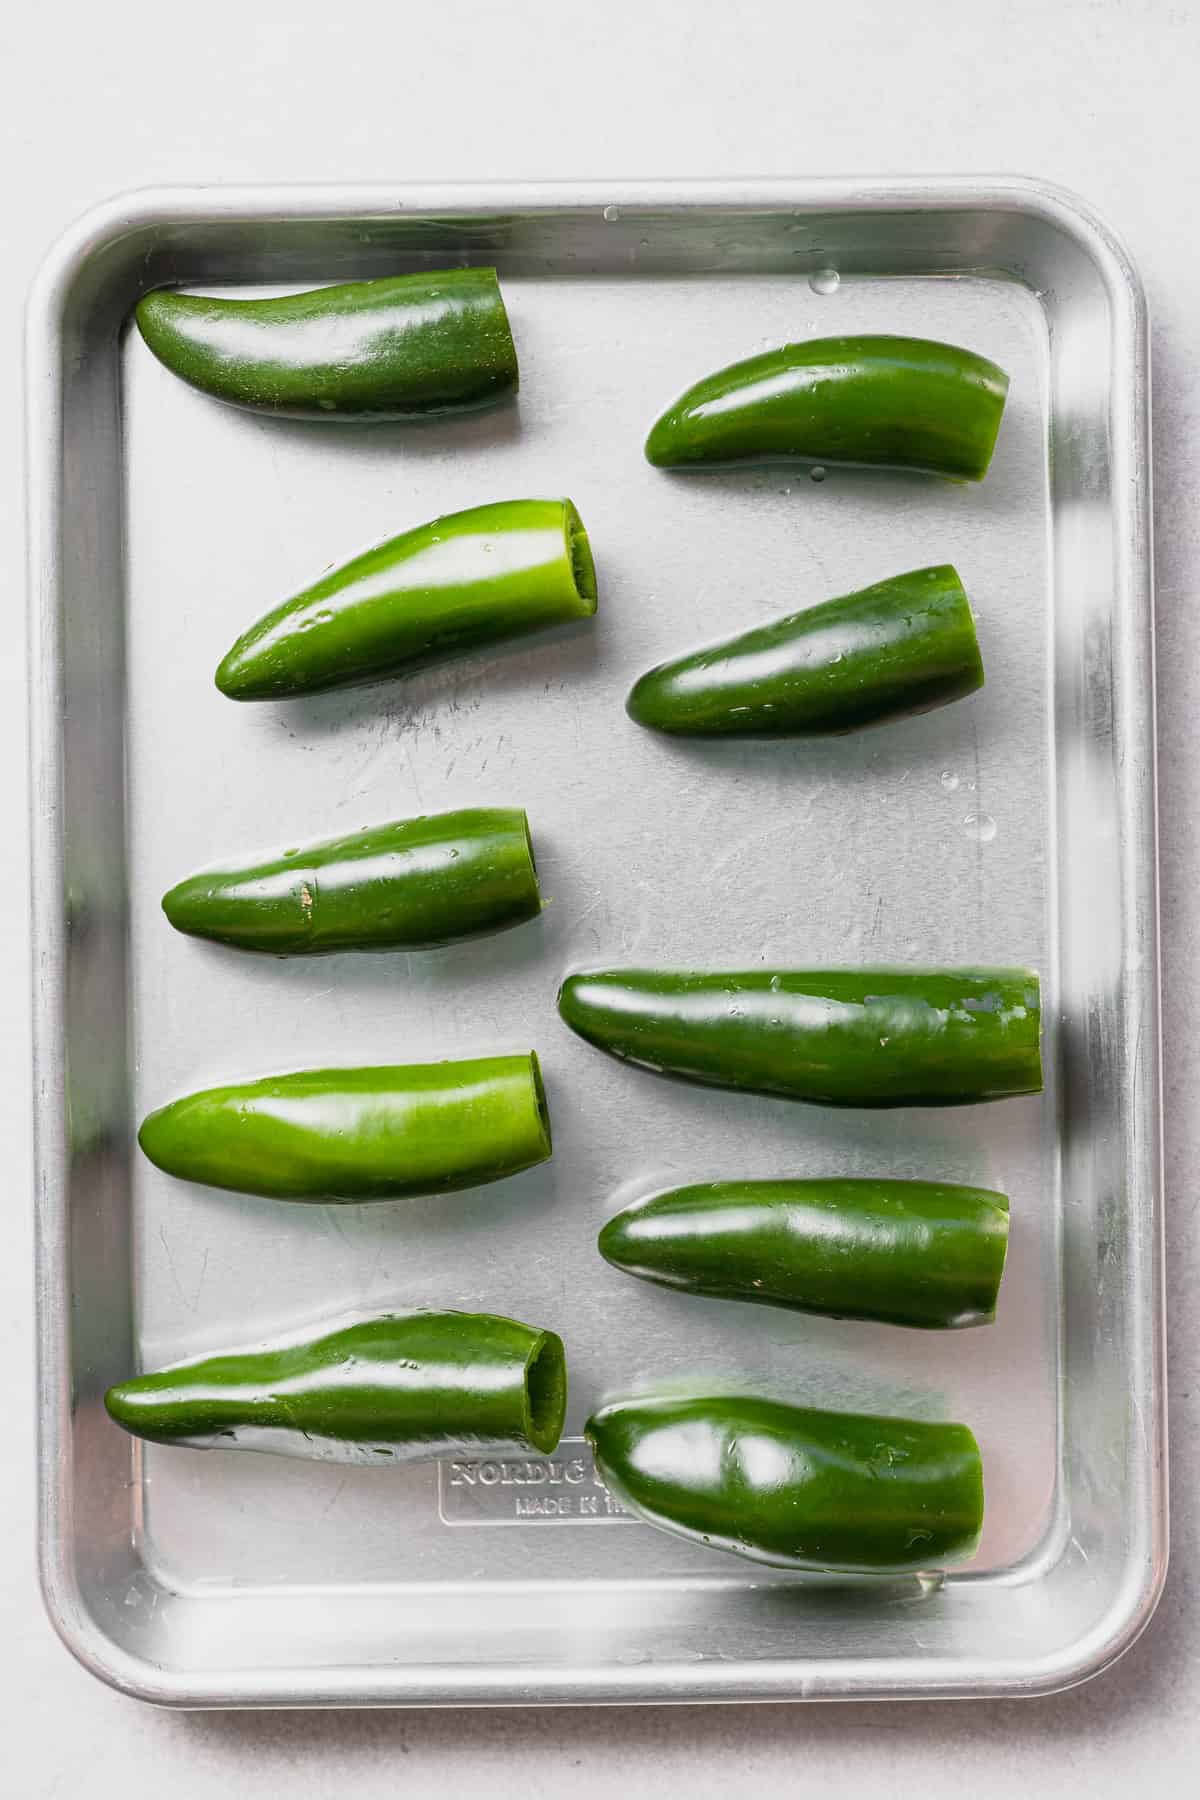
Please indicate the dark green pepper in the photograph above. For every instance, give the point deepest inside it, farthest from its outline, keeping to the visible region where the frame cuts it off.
(842, 1037)
(403, 347)
(408, 886)
(855, 402)
(472, 578)
(796, 1488)
(902, 646)
(404, 1385)
(358, 1134)
(906, 1252)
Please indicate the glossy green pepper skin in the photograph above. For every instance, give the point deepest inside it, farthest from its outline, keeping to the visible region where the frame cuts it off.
(853, 402)
(840, 1037)
(404, 1385)
(793, 1487)
(902, 646)
(404, 347)
(408, 886)
(471, 578)
(905, 1252)
(358, 1134)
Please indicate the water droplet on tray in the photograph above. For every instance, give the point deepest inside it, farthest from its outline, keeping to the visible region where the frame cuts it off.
(824, 281)
(611, 214)
(981, 826)
(817, 474)
(949, 780)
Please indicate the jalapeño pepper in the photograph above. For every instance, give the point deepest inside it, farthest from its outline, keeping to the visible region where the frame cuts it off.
(793, 1487)
(861, 402)
(407, 886)
(906, 1252)
(358, 1134)
(403, 1385)
(406, 346)
(842, 1037)
(902, 646)
(471, 578)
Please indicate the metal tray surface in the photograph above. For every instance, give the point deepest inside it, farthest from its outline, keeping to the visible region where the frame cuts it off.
(1016, 826)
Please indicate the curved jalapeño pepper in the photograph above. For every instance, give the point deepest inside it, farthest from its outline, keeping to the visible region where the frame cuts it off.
(358, 1134)
(793, 1487)
(902, 646)
(403, 1385)
(409, 886)
(906, 1252)
(842, 1037)
(403, 347)
(862, 402)
(471, 578)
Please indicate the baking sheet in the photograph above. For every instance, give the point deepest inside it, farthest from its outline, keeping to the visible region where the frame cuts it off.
(937, 840)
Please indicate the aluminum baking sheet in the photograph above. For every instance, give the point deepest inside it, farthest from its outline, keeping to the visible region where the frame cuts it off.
(1017, 826)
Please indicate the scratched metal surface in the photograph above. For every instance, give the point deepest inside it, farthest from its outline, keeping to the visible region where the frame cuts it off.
(938, 840)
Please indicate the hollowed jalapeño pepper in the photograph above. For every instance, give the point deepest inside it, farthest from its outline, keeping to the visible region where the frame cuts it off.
(860, 402)
(842, 1037)
(468, 579)
(902, 646)
(796, 1488)
(358, 1134)
(905, 1252)
(411, 885)
(403, 347)
(405, 1385)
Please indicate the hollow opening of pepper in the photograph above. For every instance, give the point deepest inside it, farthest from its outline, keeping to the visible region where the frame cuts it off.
(583, 567)
(546, 1392)
(539, 1096)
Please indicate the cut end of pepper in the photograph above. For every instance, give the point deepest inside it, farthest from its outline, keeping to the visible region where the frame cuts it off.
(507, 361)
(583, 567)
(960, 620)
(974, 1509)
(543, 1109)
(993, 383)
(546, 1392)
(535, 892)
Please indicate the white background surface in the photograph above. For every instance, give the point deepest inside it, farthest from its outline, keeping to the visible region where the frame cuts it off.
(1098, 95)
